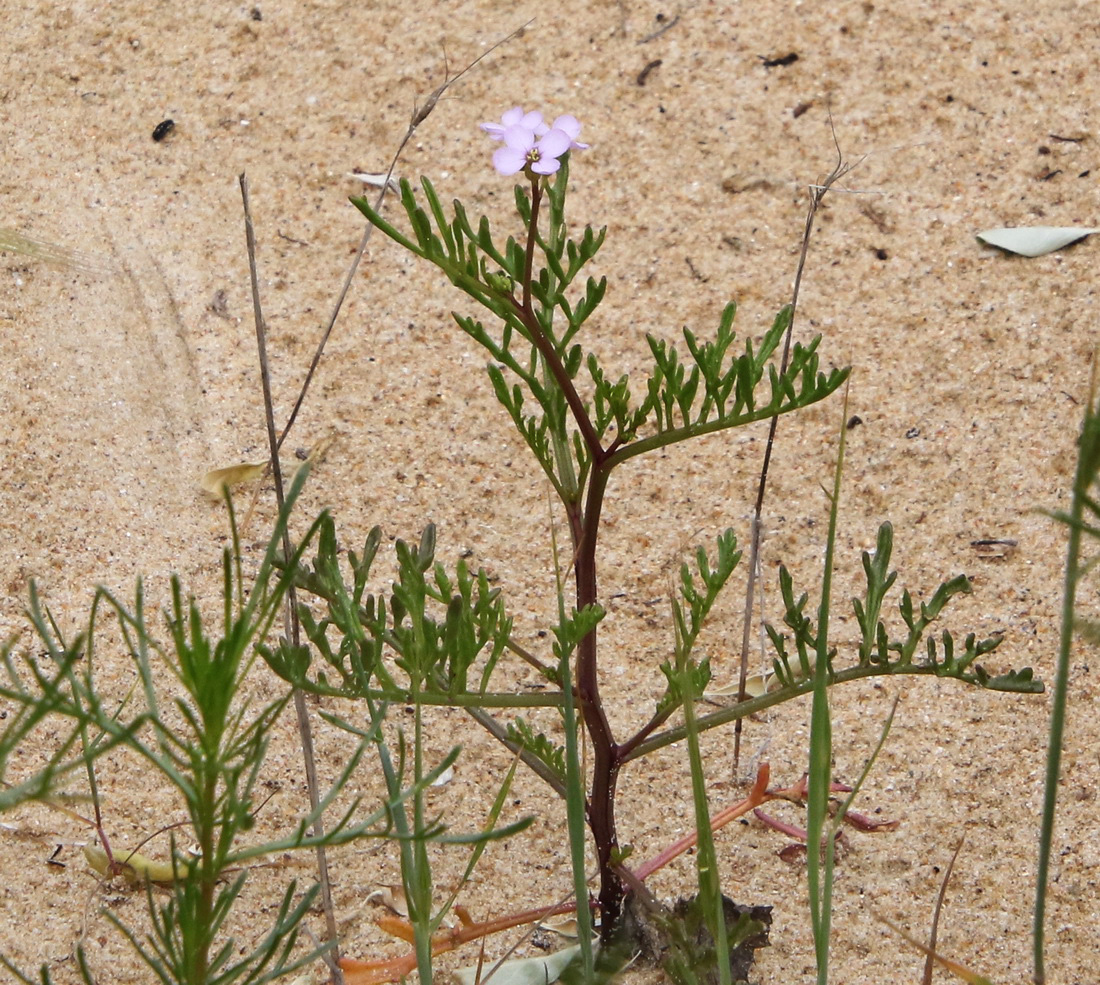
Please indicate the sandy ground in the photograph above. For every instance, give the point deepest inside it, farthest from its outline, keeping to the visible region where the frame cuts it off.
(122, 385)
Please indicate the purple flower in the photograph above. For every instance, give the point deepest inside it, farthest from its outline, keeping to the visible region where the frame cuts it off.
(515, 117)
(529, 143)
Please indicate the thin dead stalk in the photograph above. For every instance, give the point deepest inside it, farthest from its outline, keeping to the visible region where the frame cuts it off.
(420, 114)
(291, 625)
(817, 193)
(933, 937)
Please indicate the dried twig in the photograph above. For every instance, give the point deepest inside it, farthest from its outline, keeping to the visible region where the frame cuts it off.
(419, 116)
(666, 25)
(929, 950)
(929, 962)
(290, 617)
(817, 193)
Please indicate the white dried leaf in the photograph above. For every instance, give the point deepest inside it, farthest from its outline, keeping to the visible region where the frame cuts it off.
(755, 686)
(564, 924)
(375, 180)
(217, 481)
(1034, 241)
(521, 971)
(445, 777)
(391, 897)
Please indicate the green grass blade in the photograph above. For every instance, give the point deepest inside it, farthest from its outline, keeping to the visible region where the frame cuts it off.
(820, 870)
(1088, 464)
(710, 889)
(575, 799)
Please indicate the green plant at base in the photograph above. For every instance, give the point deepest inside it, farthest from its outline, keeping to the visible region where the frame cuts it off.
(212, 759)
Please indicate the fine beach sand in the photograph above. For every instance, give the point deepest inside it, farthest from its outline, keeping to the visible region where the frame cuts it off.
(129, 370)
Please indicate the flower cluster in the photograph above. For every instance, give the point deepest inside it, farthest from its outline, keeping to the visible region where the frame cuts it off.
(531, 144)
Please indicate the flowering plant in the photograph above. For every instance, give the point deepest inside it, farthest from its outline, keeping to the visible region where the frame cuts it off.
(581, 423)
(432, 636)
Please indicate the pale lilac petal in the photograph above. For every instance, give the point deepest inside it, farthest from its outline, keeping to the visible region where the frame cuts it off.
(531, 143)
(531, 121)
(508, 161)
(546, 165)
(519, 138)
(554, 144)
(569, 124)
(515, 117)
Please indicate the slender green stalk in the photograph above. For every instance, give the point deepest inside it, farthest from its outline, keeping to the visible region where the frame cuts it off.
(412, 875)
(1088, 464)
(574, 782)
(821, 747)
(420, 897)
(416, 870)
(846, 804)
(479, 846)
(1059, 699)
(710, 889)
